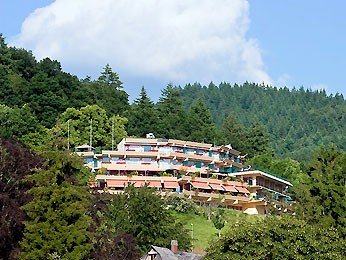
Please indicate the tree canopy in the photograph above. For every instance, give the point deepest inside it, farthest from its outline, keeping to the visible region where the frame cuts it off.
(277, 238)
(142, 213)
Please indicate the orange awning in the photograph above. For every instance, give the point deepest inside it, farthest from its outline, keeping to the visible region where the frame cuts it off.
(215, 186)
(200, 185)
(242, 190)
(138, 184)
(154, 184)
(230, 188)
(116, 183)
(171, 184)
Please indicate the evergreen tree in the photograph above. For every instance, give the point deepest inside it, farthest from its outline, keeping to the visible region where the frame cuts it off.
(257, 140)
(322, 196)
(58, 224)
(202, 128)
(171, 113)
(108, 92)
(142, 116)
(233, 132)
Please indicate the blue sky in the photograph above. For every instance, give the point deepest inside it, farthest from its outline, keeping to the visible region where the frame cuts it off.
(152, 43)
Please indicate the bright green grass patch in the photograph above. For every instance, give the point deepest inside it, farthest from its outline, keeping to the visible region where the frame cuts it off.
(203, 230)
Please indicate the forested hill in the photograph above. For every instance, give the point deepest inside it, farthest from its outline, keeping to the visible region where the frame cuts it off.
(38, 99)
(298, 120)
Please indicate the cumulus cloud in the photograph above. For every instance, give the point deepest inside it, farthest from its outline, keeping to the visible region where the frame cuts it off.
(173, 40)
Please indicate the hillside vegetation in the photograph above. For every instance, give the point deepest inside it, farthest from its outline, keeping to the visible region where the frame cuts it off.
(48, 211)
(253, 118)
(298, 120)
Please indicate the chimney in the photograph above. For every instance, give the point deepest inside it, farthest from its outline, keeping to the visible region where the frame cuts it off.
(174, 246)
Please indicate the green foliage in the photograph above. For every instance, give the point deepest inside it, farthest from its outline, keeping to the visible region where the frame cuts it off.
(142, 116)
(257, 140)
(172, 117)
(16, 162)
(233, 132)
(298, 120)
(322, 196)
(218, 219)
(108, 243)
(277, 238)
(202, 128)
(57, 223)
(80, 125)
(180, 203)
(287, 168)
(107, 92)
(142, 213)
(17, 121)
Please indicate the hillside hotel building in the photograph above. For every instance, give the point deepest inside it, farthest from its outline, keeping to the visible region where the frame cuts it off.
(203, 172)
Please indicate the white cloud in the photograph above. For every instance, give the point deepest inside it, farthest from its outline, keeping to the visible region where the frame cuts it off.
(179, 41)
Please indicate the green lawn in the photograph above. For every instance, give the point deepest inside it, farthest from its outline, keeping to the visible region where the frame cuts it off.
(203, 230)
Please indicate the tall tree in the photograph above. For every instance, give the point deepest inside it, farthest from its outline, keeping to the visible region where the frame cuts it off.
(322, 196)
(89, 121)
(142, 116)
(142, 213)
(201, 126)
(57, 225)
(171, 113)
(257, 140)
(108, 92)
(277, 238)
(16, 163)
(233, 132)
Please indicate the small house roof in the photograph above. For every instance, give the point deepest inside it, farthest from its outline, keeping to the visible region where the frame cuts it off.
(166, 254)
(85, 146)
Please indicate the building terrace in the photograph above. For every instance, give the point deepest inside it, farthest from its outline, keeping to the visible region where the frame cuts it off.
(203, 172)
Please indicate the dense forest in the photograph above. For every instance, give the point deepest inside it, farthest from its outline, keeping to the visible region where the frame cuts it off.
(48, 211)
(36, 98)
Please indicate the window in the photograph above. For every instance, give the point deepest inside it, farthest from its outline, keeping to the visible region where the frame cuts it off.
(105, 159)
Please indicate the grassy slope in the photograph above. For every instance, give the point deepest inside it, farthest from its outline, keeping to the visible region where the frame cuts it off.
(203, 230)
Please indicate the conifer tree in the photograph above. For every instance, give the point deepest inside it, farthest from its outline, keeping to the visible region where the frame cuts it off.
(142, 116)
(233, 132)
(58, 225)
(171, 114)
(322, 196)
(202, 128)
(257, 140)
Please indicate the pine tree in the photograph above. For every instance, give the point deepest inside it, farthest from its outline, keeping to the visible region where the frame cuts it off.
(58, 224)
(257, 140)
(322, 196)
(202, 128)
(171, 113)
(142, 116)
(233, 132)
